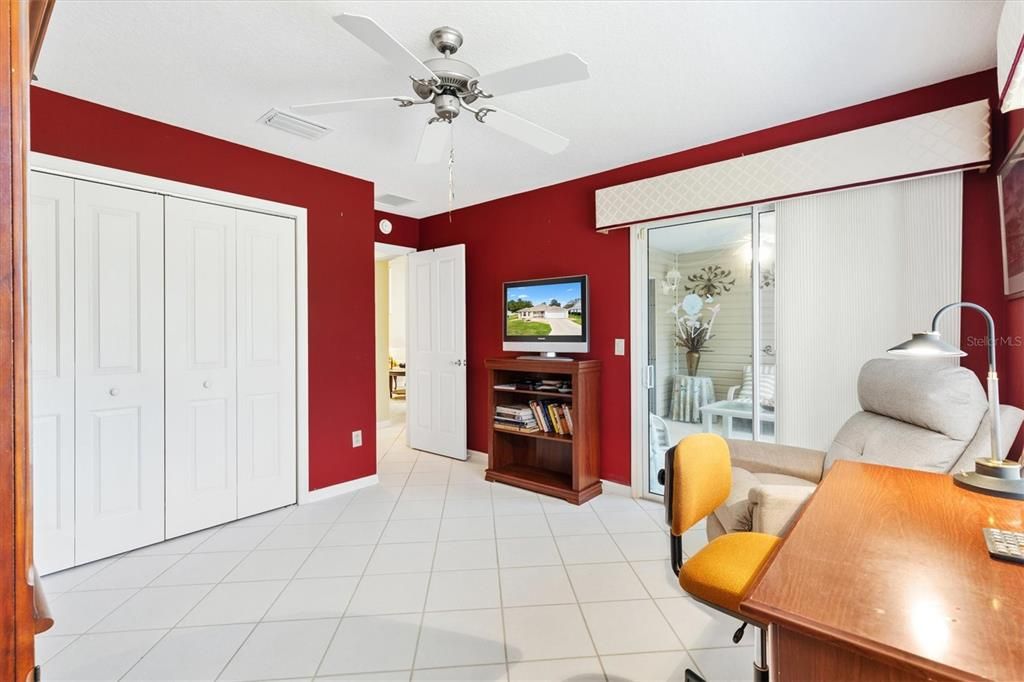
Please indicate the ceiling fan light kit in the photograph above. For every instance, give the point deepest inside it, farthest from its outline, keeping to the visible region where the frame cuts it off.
(452, 86)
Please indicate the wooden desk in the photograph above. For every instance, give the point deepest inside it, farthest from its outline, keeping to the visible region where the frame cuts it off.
(885, 576)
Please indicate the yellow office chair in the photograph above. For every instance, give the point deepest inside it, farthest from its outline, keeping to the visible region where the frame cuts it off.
(697, 479)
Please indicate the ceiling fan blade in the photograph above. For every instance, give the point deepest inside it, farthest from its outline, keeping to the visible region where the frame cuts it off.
(525, 131)
(435, 143)
(343, 105)
(565, 68)
(383, 43)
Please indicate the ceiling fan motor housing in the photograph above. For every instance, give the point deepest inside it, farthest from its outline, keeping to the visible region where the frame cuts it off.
(449, 73)
(446, 107)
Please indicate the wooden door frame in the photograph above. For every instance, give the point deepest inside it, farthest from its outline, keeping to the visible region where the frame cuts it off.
(22, 26)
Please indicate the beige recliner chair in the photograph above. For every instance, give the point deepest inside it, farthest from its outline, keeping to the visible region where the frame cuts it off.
(916, 414)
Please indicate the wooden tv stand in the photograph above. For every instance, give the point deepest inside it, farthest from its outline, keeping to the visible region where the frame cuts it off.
(558, 465)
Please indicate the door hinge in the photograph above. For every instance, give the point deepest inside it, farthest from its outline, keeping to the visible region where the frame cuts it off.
(650, 376)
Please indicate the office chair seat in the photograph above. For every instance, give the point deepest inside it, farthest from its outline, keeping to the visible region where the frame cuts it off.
(722, 572)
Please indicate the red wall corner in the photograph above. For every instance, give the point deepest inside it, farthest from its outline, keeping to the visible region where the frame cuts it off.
(405, 231)
(340, 240)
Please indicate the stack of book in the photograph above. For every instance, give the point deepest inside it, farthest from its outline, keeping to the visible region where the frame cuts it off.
(517, 418)
(553, 416)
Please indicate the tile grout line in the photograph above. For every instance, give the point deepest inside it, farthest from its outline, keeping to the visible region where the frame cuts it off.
(501, 594)
(355, 590)
(430, 574)
(661, 613)
(213, 586)
(267, 610)
(579, 607)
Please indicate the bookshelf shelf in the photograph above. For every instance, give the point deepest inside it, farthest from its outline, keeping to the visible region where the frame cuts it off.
(547, 462)
(553, 395)
(535, 434)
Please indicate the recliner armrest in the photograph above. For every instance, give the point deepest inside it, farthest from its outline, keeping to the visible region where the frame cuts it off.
(770, 458)
(773, 507)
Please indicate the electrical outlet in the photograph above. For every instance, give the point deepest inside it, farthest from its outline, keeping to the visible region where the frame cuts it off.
(620, 346)
(357, 439)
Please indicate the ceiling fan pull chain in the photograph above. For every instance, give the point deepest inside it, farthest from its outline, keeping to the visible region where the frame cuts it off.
(451, 172)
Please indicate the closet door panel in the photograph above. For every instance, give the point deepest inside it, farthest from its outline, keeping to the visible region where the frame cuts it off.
(51, 253)
(119, 370)
(266, 362)
(201, 406)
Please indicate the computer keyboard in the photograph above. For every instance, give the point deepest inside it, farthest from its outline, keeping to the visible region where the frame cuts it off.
(1007, 545)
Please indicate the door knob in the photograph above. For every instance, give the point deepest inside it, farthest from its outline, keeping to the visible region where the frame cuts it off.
(457, 363)
(206, 384)
(114, 391)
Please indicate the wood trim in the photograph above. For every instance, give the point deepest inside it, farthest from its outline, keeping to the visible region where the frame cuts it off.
(17, 622)
(39, 12)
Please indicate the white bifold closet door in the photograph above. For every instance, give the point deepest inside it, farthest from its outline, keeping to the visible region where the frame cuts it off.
(51, 254)
(119, 370)
(266, 362)
(201, 391)
(230, 364)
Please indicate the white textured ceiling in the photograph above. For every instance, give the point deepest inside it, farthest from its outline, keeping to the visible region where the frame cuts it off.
(665, 76)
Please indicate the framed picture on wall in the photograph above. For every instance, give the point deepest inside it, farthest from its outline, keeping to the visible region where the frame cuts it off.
(1011, 202)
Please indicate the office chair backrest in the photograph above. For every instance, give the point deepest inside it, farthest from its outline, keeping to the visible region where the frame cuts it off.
(701, 479)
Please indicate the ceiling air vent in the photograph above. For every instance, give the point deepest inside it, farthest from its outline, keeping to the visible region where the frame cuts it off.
(294, 125)
(392, 200)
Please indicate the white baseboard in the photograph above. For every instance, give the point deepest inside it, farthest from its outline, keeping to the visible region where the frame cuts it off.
(338, 489)
(477, 456)
(613, 488)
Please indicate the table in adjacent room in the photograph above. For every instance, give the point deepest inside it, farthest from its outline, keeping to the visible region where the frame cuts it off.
(689, 394)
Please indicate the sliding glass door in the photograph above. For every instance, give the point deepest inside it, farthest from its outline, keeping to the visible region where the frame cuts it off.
(708, 315)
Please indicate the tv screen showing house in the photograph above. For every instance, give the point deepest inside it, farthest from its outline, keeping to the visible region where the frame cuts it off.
(544, 309)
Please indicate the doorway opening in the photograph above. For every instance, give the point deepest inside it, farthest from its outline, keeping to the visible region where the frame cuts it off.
(704, 333)
(390, 309)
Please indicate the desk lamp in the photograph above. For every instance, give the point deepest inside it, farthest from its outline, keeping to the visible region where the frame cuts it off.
(992, 475)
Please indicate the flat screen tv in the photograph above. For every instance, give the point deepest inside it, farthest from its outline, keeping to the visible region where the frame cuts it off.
(547, 316)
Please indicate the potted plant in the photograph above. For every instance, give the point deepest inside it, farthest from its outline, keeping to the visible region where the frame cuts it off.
(693, 327)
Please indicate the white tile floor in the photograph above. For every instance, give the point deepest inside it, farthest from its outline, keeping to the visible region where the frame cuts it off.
(432, 575)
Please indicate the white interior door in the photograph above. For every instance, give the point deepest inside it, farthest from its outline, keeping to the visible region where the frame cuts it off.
(436, 366)
(119, 370)
(199, 248)
(266, 362)
(51, 253)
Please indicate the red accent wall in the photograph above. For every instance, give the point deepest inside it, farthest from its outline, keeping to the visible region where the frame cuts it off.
(405, 231)
(550, 231)
(340, 237)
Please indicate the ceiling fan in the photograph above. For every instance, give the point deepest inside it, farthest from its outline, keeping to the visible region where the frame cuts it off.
(452, 86)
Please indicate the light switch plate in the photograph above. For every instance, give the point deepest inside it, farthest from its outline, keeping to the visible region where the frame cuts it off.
(357, 439)
(620, 346)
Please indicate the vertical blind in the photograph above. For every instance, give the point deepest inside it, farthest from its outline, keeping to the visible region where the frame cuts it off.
(856, 272)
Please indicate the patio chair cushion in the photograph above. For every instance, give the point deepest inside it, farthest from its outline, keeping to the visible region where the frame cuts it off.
(766, 387)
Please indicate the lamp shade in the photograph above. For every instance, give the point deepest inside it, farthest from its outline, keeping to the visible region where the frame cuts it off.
(927, 344)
